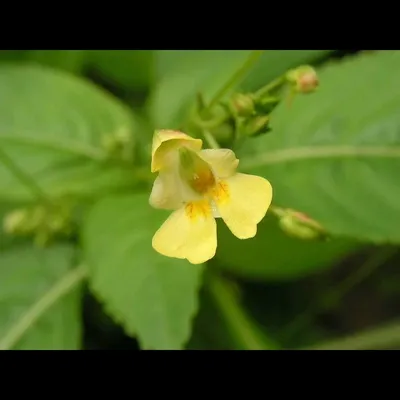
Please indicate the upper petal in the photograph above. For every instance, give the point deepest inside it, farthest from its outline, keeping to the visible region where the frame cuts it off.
(166, 142)
(243, 201)
(190, 232)
(222, 161)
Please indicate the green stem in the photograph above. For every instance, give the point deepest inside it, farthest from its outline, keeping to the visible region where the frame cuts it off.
(23, 177)
(210, 139)
(332, 297)
(270, 86)
(238, 75)
(61, 288)
(241, 326)
(384, 337)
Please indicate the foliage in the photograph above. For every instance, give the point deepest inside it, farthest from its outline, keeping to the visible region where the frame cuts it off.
(75, 136)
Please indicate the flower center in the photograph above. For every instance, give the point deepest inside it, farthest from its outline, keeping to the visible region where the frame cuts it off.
(195, 171)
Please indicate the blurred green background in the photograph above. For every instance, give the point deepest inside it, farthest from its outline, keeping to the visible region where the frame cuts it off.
(58, 108)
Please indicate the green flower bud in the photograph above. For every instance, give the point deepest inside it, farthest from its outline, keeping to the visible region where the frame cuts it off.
(299, 225)
(242, 104)
(224, 132)
(42, 222)
(304, 79)
(118, 144)
(15, 222)
(256, 126)
(123, 136)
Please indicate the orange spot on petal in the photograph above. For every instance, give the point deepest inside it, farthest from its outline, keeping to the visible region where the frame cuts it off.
(220, 193)
(198, 209)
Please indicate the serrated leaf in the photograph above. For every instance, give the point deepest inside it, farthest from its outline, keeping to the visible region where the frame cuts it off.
(335, 154)
(184, 74)
(273, 255)
(152, 296)
(27, 276)
(51, 125)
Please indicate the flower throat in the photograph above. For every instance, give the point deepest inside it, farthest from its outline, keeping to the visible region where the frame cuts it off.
(195, 171)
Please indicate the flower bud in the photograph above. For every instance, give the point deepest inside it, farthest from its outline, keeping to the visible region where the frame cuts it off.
(242, 104)
(224, 133)
(40, 221)
(116, 143)
(256, 126)
(304, 79)
(299, 225)
(15, 221)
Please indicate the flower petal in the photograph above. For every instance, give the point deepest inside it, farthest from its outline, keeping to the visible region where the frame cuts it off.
(165, 142)
(190, 232)
(222, 161)
(170, 191)
(243, 201)
(166, 193)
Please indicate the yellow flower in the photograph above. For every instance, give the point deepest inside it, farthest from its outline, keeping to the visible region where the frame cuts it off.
(201, 185)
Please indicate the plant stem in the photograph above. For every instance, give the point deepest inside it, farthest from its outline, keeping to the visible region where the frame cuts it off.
(270, 86)
(23, 177)
(238, 75)
(210, 139)
(241, 326)
(380, 338)
(56, 292)
(335, 294)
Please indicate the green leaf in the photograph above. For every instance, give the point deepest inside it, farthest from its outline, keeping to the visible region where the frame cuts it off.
(69, 60)
(152, 296)
(335, 154)
(133, 69)
(32, 313)
(13, 55)
(210, 331)
(183, 74)
(273, 255)
(52, 124)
